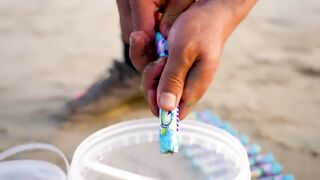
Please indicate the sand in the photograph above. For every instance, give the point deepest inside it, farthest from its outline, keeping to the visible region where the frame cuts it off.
(267, 86)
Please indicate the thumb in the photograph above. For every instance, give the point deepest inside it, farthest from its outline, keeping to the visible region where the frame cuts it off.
(172, 11)
(173, 77)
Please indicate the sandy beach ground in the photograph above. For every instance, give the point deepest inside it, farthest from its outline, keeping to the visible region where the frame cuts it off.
(268, 84)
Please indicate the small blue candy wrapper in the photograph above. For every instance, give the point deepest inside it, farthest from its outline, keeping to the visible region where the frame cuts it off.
(169, 137)
(169, 120)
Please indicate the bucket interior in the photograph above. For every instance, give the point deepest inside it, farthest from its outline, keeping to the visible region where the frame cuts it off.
(131, 150)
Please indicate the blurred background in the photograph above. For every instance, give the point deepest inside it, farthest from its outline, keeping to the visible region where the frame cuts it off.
(268, 84)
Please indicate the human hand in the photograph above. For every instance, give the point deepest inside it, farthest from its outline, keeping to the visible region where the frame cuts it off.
(138, 20)
(195, 43)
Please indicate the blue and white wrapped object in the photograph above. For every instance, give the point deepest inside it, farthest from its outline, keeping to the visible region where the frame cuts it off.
(263, 166)
(169, 120)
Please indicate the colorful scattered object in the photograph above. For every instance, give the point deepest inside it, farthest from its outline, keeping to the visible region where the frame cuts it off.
(278, 177)
(263, 166)
(169, 120)
(266, 170)
(253, 149)
(261, 159)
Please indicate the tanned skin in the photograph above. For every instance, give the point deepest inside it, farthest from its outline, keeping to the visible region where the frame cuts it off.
(196, 32)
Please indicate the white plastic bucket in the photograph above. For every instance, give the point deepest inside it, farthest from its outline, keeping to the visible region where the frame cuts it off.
(130, 150)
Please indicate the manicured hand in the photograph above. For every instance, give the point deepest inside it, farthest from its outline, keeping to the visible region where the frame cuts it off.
(195, 43)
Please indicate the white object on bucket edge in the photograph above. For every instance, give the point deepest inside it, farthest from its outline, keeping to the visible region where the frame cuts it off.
(31, 169)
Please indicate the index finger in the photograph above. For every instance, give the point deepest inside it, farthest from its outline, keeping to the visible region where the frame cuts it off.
(143, 13)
